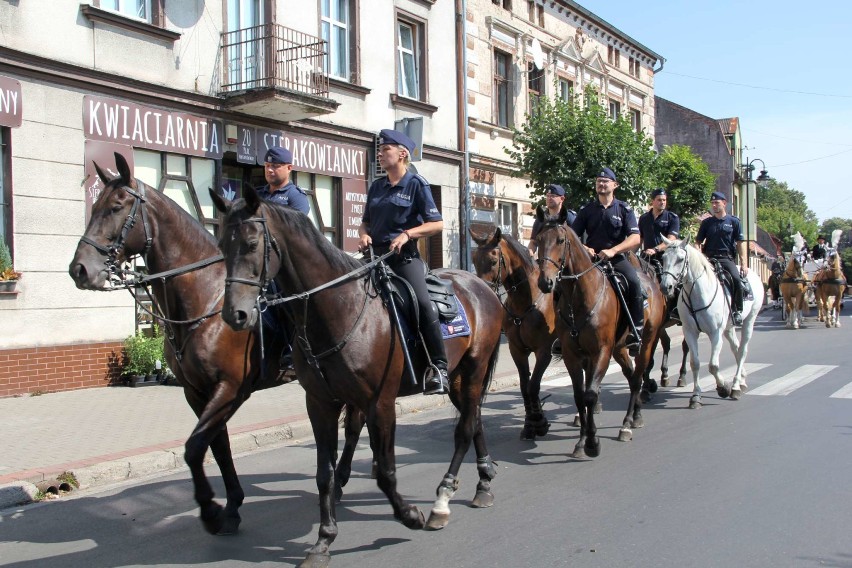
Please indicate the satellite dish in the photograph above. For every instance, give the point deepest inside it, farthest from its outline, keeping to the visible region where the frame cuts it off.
(537, 54)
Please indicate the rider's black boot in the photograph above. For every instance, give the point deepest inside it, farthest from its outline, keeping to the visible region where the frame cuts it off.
(436, 381)
(634, 340)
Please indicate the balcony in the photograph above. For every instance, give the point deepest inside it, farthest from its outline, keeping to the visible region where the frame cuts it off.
(275, 72)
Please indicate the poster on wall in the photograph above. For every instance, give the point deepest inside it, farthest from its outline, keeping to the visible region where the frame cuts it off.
(104, 154)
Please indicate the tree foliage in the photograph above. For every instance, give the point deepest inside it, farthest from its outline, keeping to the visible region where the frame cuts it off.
(834, 223)
(568, 142)
(782, 212)
(688, 181)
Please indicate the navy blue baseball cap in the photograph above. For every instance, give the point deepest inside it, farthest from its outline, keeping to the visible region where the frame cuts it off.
(608, 174)
(718, 195)
(556, 190)
(278, 155)
(388, 136)
(658, 191)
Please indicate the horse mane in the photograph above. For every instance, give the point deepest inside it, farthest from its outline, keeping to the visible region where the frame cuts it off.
(302, 225)
(520, 251)
(696, 256)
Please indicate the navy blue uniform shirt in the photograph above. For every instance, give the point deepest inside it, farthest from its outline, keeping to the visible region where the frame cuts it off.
(392, 209)
(720, 236)
(291, 195)
(537, 225)
(605, 227)
(652, 230)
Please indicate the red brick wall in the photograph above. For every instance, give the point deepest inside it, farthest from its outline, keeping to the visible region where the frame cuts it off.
(59, 367)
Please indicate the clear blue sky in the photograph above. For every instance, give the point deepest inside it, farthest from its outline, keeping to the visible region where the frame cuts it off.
(782, 67)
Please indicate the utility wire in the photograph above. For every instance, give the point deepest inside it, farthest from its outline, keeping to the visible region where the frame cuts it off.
(811, 160)
(758, 87)
(796, 139)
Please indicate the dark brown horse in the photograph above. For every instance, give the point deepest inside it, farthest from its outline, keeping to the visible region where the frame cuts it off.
(349, 352)
(528, 317)
(592, 325)
(217, 366)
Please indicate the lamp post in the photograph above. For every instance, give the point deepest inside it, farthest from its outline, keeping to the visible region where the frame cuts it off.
(751, 205)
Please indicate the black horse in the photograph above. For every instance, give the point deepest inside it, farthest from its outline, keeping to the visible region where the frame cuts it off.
(349, 352)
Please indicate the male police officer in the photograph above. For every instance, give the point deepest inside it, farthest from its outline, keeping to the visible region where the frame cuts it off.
(554, 198)
(820, 249)
(721, 238)
(611, 231)
(277, 165)
(656, 223)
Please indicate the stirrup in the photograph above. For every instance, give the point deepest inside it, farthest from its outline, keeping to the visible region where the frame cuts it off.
(556, 348)
(435, 381)
(737, 318)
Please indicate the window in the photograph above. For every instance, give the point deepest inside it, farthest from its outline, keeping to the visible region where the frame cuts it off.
(613, 56)
(636, 119)
(508, 219)
(633, 67)
(566, 89)
(503, 110)
(535, 86)
(506, 4)
(136, 9)
(536, 13)
(324, 196)
(6, 187)
(337, 31)
(411, 49)
(245, 54)
(614, 109)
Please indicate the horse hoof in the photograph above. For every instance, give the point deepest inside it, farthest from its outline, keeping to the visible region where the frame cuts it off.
(579, 452)
(644, 396)
(694, 404)
(681, 382)
(576, 422)
(593, 448)
(528, 433)
(437, 521)
(542, 427)
(412, 518)
(483, 500)
(638, 422)
(652, 385)
(598, 407)
(213, 519)
(723, 391)
(314, 560)
(625, 435)
(664, 382)
(736, 394)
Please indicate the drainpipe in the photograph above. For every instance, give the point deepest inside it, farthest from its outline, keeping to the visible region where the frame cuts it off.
(461, 89)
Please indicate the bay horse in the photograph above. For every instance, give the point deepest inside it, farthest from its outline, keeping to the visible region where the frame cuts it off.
(592, 325)
(794, 286)
(704, 307)
(830, 285)
(348, 351)
(528, 317)
(217, 367)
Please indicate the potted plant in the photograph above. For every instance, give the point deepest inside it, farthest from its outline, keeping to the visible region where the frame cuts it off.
(8, 276)
(142, 355)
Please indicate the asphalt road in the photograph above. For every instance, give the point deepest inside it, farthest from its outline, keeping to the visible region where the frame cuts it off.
(763, 481)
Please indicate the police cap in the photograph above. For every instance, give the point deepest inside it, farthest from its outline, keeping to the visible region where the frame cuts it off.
(278, 155)
(608, 174)
(388, 136)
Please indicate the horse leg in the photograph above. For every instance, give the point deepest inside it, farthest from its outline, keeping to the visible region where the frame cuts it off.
(633, 418)
(323, 416)
(681, 375)
(381, 423)
(722, 389)
(576, 371)
(521, 360)
(649, 385)
(666, 342)
(353, 424)
(835, 313)
(691, 338)
(211, 432)
(591, 397)
(536, 420)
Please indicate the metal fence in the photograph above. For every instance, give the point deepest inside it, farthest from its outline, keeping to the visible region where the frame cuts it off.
(271, 55)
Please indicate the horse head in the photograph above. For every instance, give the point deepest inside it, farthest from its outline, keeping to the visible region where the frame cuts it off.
(675, 264)
(113, 234)
(553, 247)
(249, 263)
(795, 266)
(488, 258)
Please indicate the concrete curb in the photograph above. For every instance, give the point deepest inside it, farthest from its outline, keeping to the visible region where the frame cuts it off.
(24, 492)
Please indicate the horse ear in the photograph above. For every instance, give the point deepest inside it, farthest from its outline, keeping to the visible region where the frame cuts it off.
(252, 199)
(124, 171)
(495, 239)
(477, 238)
(667, 240)
(220, 202)
(539, 213)
(105, 177)
(563, 214)
(685, 242)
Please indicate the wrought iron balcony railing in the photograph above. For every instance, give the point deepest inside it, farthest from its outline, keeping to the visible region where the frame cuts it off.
(271, 55)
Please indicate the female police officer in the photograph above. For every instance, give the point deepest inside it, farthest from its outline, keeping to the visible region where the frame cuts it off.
(399, 210)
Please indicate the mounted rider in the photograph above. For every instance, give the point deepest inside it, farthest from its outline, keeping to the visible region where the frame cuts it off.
(721, 239)
(820, 250)
(554, 198)
(611, 231)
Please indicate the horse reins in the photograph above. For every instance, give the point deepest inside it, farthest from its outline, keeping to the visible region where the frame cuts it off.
(497, 282)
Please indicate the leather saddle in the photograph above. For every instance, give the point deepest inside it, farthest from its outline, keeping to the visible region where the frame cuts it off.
(440, 292)
(725, 279)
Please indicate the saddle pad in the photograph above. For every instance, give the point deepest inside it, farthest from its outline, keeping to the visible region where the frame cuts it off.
(459, 326)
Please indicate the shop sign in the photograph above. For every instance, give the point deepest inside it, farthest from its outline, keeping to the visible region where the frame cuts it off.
(246, 145)
(11, 112)
(316, 155)
(139, 126)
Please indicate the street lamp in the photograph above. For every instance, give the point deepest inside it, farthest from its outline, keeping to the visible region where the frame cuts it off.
(751, 206)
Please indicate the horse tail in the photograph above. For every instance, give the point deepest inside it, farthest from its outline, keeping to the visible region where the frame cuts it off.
(489, 374)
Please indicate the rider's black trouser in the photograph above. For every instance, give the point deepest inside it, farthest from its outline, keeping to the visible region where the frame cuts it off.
(736, 283)
(413, 269)
(634, 298)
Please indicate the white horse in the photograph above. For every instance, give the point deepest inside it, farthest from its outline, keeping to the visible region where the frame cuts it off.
(704, 307)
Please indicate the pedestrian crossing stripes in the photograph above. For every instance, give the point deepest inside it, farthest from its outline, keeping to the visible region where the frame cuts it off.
(803, 375)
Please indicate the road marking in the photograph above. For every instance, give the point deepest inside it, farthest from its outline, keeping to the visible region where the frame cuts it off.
(845, 392)
(709, 382)
(563, 379)
(792, 381)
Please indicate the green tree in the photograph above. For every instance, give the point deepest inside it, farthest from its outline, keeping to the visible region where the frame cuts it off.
(688, 181)
(782, 212)
(834, 223)
(568, 142)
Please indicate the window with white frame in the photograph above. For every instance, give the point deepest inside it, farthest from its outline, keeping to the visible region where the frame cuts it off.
(335, 23)
(503, 109)
(614, 109)
(508, 220)
(535, 86)
(410, 47)
(566, 89)
(636, 119)
(136, 9)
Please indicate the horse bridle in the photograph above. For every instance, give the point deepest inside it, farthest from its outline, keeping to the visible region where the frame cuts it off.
(269, 244)
(560, 274)
(495, 284)
(111, 250)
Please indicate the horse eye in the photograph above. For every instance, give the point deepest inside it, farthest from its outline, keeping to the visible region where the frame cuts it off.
(560, 241)
(252, 246)
(117, 208)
